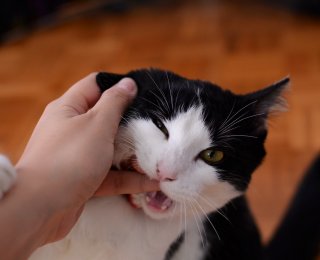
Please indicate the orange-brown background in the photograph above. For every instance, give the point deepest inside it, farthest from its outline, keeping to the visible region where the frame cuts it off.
(241, 47)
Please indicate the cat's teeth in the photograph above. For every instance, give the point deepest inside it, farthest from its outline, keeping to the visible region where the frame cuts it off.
(152, 195)
(148, 199)
(167, 203)
(164, 207)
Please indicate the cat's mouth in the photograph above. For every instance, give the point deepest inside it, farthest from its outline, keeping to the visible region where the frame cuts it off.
(155, 201)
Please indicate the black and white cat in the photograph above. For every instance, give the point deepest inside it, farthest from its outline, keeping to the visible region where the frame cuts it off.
(202, 143)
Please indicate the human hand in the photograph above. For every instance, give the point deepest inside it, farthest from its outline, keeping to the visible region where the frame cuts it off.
(71, 150)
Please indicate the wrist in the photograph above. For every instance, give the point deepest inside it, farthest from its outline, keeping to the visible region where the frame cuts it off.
(25, 219)
(55, 210)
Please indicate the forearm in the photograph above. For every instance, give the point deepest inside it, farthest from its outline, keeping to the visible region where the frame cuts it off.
(23, 220)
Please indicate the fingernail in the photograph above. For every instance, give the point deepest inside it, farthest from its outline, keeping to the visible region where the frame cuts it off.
(128, 85)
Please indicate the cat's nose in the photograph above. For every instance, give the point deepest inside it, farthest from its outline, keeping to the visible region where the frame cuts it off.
(164, 173)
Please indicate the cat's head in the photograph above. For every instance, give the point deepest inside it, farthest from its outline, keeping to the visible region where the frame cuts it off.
(201, 142)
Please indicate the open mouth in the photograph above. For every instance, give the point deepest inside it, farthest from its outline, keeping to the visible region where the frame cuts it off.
(156, 201)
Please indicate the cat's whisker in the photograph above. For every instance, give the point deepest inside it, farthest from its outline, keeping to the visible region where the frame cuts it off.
(221, 133)
(125, 143)
(206, 216)
(233, 119)
(199, 96)
(160, 101)
(227, 118)
(176, 99)
(157, 114)
(185, 214)
(245, 118)
(152, 104)
(237, 179)
(180, 224)
(204, 232)
(124, 119)
(195, 218)
(223, 143)
(229, 176)
(241, 109)
(232, 136)
(160, 91)
(213, 206)
(132, 113)
(193, 99)
(173, 213)
(195, 211)
(129, 147)
(170, 90)
(231, 123)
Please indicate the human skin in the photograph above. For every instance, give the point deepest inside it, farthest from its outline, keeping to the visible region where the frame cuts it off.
(65, 163)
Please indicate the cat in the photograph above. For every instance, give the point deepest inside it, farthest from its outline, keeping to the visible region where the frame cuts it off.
(202, 143)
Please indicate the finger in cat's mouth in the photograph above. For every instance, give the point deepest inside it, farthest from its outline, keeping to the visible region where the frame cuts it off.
(156, 201)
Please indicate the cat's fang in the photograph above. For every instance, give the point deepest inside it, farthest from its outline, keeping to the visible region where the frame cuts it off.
(164, 207)
(158, 201)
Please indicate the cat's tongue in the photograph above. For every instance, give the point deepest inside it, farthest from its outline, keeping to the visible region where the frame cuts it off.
(158, 201)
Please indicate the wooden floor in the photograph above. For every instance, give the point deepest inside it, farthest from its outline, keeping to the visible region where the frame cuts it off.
(239, 47)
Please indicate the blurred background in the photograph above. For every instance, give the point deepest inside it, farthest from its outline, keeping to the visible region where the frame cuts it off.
(241, 45)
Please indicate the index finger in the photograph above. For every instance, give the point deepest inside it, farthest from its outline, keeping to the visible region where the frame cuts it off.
(125, 182)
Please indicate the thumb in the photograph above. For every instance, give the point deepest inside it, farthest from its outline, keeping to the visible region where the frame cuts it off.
(115, 100)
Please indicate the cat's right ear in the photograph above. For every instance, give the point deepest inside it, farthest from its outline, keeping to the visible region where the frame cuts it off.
(106, 80)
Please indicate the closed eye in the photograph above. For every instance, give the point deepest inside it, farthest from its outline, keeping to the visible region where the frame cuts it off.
(158, 123)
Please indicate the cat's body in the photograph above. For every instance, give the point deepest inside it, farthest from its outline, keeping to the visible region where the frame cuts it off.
(110, 229)
(202, 143)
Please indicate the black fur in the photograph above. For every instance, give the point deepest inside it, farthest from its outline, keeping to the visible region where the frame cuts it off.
(242, 142)
(238, 238)
(298, 236)
(238, 127)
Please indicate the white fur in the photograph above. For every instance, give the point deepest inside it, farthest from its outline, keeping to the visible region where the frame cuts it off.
(110, 228)
(7, 175)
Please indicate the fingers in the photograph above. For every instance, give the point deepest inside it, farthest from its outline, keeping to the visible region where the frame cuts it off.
(115, 100)
(121, 182)
(82, 95)
(85, 95)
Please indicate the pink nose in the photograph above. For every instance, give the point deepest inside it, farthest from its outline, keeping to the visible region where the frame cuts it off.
(165, 174)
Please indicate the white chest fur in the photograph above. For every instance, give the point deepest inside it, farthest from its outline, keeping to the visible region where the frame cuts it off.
(110, 228)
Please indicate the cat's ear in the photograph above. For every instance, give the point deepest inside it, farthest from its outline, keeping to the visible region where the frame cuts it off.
(270, 99)
(106, 80)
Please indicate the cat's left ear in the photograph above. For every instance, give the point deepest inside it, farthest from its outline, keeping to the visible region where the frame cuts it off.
(106, 80)
(270, 99)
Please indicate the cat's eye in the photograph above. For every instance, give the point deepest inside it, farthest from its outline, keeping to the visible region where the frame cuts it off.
(211, 156)
(158, 123)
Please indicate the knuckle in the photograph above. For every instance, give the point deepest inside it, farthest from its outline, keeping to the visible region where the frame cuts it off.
(52, 105)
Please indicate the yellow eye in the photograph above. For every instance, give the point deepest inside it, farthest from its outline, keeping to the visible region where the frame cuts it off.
(211, 155)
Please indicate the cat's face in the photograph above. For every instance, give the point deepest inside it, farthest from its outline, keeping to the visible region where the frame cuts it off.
(200, 142)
